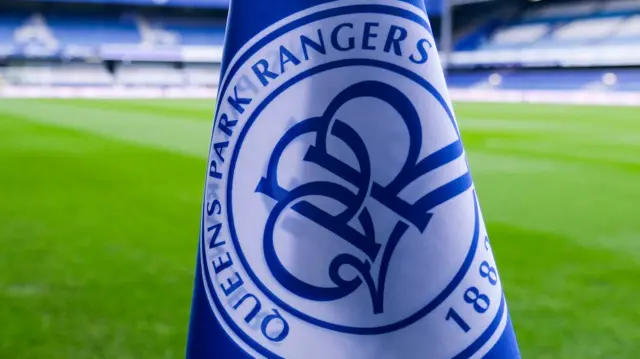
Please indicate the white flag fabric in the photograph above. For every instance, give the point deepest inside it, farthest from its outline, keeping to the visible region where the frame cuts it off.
(340, 219)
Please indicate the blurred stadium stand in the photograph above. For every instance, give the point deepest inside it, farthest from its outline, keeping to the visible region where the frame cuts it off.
(540, 79)
(582, 33)
(515, 45)
(72, 74)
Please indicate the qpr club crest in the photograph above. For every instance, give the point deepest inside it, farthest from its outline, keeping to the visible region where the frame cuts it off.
(340, 218)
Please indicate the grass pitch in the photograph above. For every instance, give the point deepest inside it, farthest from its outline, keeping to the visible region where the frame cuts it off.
(100, 203)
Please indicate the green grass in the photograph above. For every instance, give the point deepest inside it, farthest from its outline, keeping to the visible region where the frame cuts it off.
(100, 202)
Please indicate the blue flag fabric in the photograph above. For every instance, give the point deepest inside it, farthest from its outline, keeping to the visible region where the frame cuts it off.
(340, 219)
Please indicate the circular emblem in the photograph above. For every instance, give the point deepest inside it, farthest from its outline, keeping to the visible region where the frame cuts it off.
(339, 207)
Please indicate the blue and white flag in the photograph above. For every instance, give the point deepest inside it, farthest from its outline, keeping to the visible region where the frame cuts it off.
(340, 219)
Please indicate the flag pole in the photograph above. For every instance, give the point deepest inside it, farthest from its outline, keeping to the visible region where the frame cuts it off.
(446, 34)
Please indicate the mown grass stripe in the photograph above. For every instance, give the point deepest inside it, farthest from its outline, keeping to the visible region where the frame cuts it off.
(169, 108)
(155, 130)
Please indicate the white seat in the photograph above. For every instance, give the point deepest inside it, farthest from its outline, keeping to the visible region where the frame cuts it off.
(519, 34)
(202, 75)
(630, 28)
(588, 29)
(59, 74)
(149, 75)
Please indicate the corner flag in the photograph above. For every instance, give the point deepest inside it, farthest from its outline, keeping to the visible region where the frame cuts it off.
(340, 219)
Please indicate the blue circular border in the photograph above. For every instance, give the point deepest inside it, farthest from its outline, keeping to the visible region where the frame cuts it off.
(441, 297)
(381, 9)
